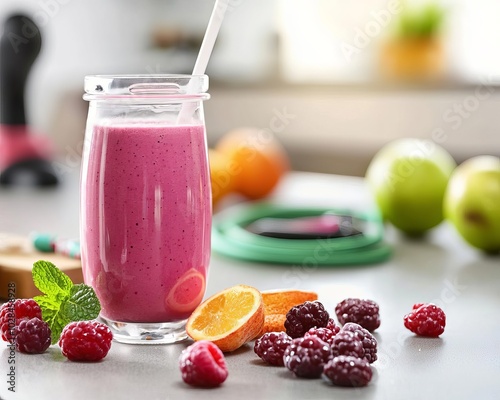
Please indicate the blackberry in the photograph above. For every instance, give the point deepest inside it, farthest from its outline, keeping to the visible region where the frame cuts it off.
(347, 343)
(325, 334)
(348, 371)
(271, 347)
(362, 312)
(333, 326)
(367, 339)
(426, 320)
(305, 316)
(32, 336)
(306, 357)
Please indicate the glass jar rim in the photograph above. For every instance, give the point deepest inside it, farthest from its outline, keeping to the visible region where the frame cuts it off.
(146, 86)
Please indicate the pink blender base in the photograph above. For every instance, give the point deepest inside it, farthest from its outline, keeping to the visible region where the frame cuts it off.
(17, 144)
(24, 157)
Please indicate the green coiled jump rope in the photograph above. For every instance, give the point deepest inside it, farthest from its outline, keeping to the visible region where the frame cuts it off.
(232, 237)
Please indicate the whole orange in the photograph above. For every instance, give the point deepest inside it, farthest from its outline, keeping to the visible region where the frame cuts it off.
(221, 175)
(258, 160)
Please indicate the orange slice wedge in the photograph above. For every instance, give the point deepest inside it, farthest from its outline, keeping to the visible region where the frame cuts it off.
(187, 293)
(277, 303)
(229, 318)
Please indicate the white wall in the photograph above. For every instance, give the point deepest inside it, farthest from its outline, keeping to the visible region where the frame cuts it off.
(79, 37)
(82, 37)
(113, 36)
(339, 41)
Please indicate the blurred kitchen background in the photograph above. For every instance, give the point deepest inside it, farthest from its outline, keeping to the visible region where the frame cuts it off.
(346, 77)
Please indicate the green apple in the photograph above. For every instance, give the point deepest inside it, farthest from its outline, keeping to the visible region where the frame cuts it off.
(472, 202)
(408, 178)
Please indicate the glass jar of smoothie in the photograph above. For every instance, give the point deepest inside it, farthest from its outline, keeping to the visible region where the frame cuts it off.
(145, 212)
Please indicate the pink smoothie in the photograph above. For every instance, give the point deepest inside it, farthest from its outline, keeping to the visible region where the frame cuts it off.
(146, 219)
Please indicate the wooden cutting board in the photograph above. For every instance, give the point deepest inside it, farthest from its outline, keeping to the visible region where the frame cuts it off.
(17, 256)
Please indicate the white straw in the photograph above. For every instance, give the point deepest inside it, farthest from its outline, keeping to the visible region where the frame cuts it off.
(211, 33)
(206, 48)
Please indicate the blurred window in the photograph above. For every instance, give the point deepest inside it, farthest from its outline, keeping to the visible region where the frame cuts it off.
(339, 41)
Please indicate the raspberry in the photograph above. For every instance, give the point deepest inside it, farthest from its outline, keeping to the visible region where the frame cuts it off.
(305, 316)
(325, 334)
(333, 326)
(348, 371)
(367, 339)
(362, 312)
(306, 357)
(203, 364)
(32, 336)
(271, 347)
(11, 313)
(85, 341)
(347, 343)
(426, 320)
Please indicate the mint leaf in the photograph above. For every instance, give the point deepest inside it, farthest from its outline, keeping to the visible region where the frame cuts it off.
(57, 321)
(56, 327)
(63, 301)
(47, 303)
(51, 280)
(52, 314)
(82, 303)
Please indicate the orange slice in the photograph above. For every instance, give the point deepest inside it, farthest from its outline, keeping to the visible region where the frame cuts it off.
(187, 293)
(274, 323)
(280, 301)
(277, 303)
(229, 318)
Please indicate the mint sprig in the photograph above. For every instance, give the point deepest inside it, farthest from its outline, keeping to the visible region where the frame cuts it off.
(63, 301)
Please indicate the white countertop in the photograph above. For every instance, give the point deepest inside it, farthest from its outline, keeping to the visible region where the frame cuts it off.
(463, 364)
